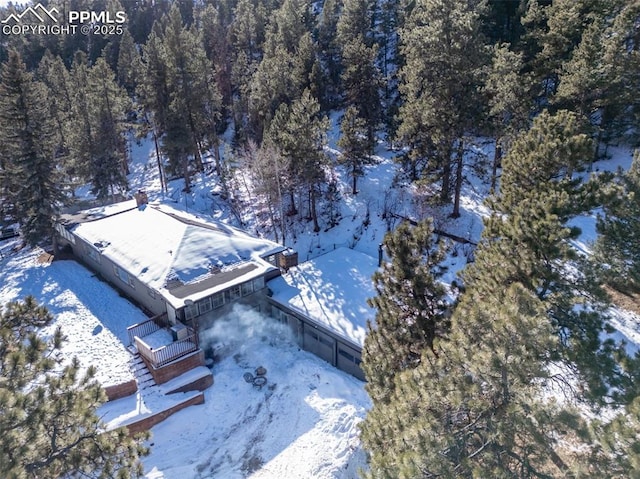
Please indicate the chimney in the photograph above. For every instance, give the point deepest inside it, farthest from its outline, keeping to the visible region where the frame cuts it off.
(379, 255)
(141, 198)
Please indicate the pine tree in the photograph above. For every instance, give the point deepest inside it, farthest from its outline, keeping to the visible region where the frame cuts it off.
(619, 226)
(216, 40)
(539, 194)
(27, 143)
(361, 78)
(477, 410)
(54, 74)
(48, 418)
(181, 92)
(480, 406)
(355, 146)
(287, 66)
(128, 63)
(622, 63)
(80, 128)
(109, 105)
(299, 134)
(411, 312)
(268, 171)
(445, 57)
(506, 89)
(362, 84)
(328, 49)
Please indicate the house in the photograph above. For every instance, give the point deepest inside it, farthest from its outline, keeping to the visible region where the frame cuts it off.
(186, 272)
(324, 301)
(183, 270)
(169, 261)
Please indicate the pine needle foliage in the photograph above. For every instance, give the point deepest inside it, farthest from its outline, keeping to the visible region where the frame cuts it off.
(48, 422)
(498, 395)
(27, 141)
(619, 228)
(411, 315)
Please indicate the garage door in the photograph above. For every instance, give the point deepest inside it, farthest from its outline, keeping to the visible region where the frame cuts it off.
(319, 344)
(349, 360)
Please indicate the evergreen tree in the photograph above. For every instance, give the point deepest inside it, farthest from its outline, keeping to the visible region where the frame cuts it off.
(445, 56)
(153, 89)
(287, 67)
(109, 105)
(362, 83)
(506, 89)
(355, 146)
(181, 92)
(54, 74)
(554, 31)
(80, 128)
(48, 418)
(329, 49)
(27, 143)
(361, 78)
(96, 129)
(621, 108)
(480, 406)
(128, 63)
(411, 312)
(619, 226)
(247, 32)
(299, 134)
(539, 194)
(217, 44)
(268, 171)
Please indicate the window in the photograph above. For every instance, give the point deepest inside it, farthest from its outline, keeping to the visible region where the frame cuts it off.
(258, 283)
(349, 357)
(247, 288)
(204, 305)
(234, 293)
(93, 254)
(217, 300)
(326, 341)
(190, 311)
(124, 276)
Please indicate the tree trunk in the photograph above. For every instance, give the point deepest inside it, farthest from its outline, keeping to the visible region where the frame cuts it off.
(446, 176)
(292, 209)
(497, 158)
(314, 213)
(216, 155)
(163, 182)
(354, 189)
(459, 179)
(185, 173)
(279, 190)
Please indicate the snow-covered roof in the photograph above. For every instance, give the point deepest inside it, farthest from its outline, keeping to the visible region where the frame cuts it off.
(332, 290)
(178, 254)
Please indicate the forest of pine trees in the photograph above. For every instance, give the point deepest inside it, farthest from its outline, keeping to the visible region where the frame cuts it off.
(458, 389)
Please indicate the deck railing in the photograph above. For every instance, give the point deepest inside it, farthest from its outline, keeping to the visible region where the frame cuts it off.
(158, 357)
(147, 327)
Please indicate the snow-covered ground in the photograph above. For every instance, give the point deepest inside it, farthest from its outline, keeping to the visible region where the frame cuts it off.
(93, 317)
(301, 424)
